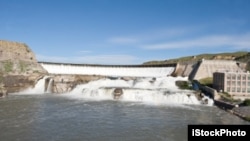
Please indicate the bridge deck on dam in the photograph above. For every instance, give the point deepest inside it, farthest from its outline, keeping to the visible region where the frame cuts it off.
(109, 70)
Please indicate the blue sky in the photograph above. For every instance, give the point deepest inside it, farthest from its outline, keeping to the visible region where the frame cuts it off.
(125, 31)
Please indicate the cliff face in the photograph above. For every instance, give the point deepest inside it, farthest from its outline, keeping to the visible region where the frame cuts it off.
(57, 83)
(17, 58)
(18, 66)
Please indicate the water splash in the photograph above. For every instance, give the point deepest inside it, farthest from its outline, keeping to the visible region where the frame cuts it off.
(159, 90)
(142, 71)
(49, 87)
(38, 89)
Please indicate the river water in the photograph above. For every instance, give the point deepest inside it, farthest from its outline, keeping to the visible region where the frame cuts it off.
(51, 117)
(148, 110)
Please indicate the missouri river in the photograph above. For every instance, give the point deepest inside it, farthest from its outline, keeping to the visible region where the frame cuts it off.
(51, 117)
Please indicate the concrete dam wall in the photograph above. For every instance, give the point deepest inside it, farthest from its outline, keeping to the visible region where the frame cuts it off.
(206, 68)
(110, 70)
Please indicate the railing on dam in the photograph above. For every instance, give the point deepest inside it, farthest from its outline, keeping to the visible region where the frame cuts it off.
(109, 70)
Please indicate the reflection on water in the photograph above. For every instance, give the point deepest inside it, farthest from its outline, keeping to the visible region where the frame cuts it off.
(54, 117)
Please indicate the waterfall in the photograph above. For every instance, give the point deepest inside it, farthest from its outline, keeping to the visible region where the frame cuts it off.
(159, 90)
(49, 86)
(135, 71)
(38, 89)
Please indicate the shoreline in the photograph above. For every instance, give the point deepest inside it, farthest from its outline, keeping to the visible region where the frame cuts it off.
(242, 112)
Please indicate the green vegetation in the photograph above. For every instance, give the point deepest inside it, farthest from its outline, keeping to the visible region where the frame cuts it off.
(36, 71)
(247, 118)
(27, 48)
(246, 59)
(246, 102)
(228, 98)
(184, 85)
(1, 77)
(241, 56)
(8, 66)
(23, 66)
(207, 81)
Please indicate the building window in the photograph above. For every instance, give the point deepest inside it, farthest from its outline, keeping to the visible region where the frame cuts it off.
(244, 77)
(248, 90)
(233, 77)
(238, 77)
(238, 89)
(243, 90)
(248, 77)
(228, 89)
(238, 83)
(233, 89)
(244, 83)
(233, 83)
(228, 82)
(248, 83)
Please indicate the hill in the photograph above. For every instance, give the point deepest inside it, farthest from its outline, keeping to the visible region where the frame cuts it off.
(19, 68)
(238, 56)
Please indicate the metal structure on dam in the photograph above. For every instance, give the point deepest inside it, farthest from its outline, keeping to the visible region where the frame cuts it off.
(110, 70)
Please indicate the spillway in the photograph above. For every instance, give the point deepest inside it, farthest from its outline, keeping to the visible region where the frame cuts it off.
(160, 91)
(110, 70)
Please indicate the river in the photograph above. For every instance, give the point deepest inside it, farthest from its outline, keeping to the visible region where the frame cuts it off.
(148, 110)
(51, 117)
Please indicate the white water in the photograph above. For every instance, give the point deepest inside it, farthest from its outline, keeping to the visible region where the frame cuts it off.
(161, 91)
(38, 89)
(49, 87)
(157, 90)
(108, 71)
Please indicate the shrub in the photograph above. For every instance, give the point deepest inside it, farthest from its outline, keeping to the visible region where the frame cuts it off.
(206, 81)
(8, 66)
(1, 78)
(247, 118)
(183, 84)
(246, 102)
(23, 66)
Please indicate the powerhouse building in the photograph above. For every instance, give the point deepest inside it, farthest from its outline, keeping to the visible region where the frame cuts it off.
(234, 83)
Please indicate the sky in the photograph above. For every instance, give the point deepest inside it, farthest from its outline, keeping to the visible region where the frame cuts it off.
(125, 31)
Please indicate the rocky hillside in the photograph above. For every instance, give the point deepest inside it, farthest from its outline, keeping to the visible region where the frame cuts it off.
(18, 66)
(188, 63)
(238, 56)
(17, 58)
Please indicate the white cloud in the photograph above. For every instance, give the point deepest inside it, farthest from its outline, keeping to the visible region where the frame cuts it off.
(147, 36)
(241, 41)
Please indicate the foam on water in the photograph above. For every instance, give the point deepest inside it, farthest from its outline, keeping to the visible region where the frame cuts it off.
(151, 90)
(159, 90)
(38, 89)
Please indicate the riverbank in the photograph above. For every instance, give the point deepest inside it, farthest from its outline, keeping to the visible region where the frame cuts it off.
(224, 102)
(241, 111)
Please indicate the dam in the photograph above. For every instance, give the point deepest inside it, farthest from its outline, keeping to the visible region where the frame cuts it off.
(110, 70)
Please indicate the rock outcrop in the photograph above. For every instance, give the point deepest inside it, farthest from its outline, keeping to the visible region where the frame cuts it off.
(117, 93)
(65, 83)
(3, 91)
(17, 58)
(19, 68)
